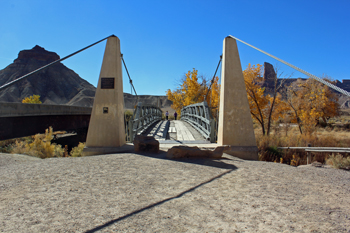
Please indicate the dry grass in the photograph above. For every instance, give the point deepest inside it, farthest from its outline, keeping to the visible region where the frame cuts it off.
(339, 161)
(323, 137)
(40, 146)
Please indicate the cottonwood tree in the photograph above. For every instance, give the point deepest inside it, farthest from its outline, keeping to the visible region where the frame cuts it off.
(311, 101)
(34, 99)
(194, 89)
(264, 108)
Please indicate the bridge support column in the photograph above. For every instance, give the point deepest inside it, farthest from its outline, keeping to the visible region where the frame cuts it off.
(235, 122)
(106, 133)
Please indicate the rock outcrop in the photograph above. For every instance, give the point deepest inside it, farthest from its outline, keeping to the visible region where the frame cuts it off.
(146, 144)
(55, 85)
(269, 82)
(269, 73)
(179, 152)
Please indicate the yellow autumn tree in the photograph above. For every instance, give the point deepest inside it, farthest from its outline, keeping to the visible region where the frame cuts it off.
(192, 91)
(311, 101)
(213, 98)
(34, 99)
(264, 109)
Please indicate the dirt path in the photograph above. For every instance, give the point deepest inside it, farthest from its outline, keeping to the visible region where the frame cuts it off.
(145, 193)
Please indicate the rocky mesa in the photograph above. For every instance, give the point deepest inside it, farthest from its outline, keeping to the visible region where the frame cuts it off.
(57, 84)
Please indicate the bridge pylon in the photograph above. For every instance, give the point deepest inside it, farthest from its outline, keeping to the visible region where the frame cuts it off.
(235, 122)
(106, 133)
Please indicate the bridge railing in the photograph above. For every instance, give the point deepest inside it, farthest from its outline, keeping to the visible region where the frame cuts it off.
(21, 120)
(144, 116)
(199, 116)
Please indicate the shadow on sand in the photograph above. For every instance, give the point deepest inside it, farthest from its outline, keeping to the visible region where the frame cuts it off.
(100, 227)
(218, 163)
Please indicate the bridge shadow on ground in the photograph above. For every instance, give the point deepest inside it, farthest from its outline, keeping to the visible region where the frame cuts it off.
(111, 222)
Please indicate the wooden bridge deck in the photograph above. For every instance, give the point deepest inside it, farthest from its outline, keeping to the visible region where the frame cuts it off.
(176, 132)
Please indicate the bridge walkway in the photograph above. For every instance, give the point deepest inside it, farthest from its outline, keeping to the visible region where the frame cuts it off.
(175, 132)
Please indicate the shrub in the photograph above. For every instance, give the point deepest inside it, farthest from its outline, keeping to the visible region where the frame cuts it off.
(40, 147)
(271, 153)
(78, 150)
(339, 162)
(19, 148)
(34, 99)
(324, 138)
(128, 115)
(295, 161)
(6, 145)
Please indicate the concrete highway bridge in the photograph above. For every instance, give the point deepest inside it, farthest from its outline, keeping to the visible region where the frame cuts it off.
(20, 120)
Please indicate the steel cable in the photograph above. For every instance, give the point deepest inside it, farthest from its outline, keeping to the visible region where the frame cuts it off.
(54, 62)
(296, 68)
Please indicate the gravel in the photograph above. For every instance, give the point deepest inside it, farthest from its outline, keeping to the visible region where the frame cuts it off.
(148, 193)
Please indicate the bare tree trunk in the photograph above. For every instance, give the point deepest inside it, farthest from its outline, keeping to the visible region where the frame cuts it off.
(261, 120)
(296, 116)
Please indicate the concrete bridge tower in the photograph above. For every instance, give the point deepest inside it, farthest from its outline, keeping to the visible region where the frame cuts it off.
(106, 133)
(235, 122)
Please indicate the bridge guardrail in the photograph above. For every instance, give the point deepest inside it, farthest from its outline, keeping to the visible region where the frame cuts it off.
(21, 109)
(144, 116)
(199, 116)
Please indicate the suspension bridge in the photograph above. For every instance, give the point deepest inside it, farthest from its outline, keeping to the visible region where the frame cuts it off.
(109, 131)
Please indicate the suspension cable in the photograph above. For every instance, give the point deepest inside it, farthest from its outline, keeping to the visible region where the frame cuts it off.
(296, 68)
(128, 74)
(212, 80)
(54, 62)
(131, 84)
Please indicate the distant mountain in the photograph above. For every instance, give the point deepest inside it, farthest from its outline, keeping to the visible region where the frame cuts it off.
(162, 101)
(56, 84)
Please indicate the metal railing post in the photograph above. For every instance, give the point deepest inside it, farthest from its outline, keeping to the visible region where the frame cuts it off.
(131, 129)
(212, 131)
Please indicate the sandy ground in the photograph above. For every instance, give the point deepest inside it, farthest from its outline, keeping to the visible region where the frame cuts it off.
(148, 193)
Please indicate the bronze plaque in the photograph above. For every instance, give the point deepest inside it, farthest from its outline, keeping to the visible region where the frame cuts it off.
(107, 83)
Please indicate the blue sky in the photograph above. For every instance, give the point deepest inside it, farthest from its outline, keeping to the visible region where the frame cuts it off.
(162, 40)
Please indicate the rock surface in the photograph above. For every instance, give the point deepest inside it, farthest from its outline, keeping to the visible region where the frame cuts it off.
(57, 84)
(146, 144)
(178, 152)
(269, 73)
